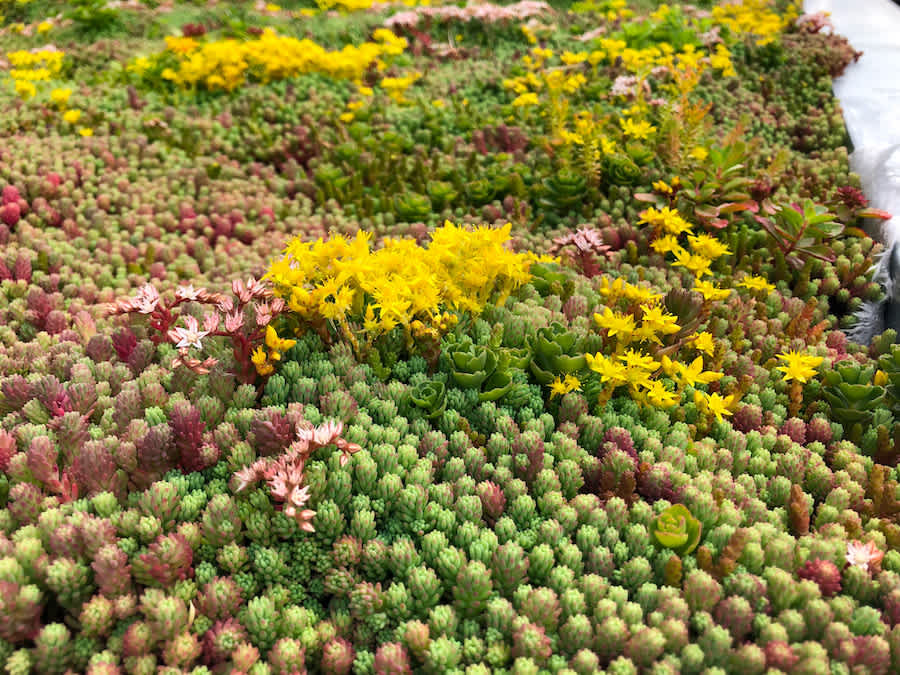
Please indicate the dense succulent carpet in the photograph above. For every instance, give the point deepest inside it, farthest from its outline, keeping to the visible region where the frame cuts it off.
(342, 337)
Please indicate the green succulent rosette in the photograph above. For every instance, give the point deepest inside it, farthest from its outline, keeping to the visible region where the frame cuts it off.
(430, 396)
(483, 368)
(555, 352)
(548, 279)
(677, 529)
(851, 394)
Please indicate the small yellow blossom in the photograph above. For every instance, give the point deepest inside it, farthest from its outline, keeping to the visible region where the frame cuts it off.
(44, 27)
(277, 344)
(641, 129)
(655, 320)
(694, 373)
(25, 89)
(86, 131)
(697, 264)
(528, 98)
(657, 395)
(639, 360)
(666, 244)
(756, 284)
(615, 323)
(715, 403)
(609, 370)
(799, 367)
(60, 96)
(666, 219)
(71, 116)
(180, 45)
(571, 59)
(699, 153)
(704, 342)
(663, 187)
(708, 246)
(710, 291)
(263, 367)
(561, 386)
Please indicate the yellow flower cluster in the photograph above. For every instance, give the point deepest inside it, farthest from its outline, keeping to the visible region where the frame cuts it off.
(225, 65)
(396, 86)
(639, 358)
(31, 68)
(552, 81)
(704, 248)
(755, 19)
(364, 292)
(360, 5)
(26, 68)
(263, 361)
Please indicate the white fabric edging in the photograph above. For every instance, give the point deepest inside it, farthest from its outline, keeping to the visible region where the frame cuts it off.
(869, 93)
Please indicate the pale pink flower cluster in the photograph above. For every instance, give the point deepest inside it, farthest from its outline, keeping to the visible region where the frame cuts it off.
(284, 475)
(816, 21)
(863, 555)
(627, 86)
(485, 12)
(585, 239)
(163, 316)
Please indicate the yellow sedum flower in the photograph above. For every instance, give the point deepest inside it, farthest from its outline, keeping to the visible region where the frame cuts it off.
(704, 342)
(699, 153)
(708, 246)
(60, 96)
(710, 291)
(343, 279)
(86, 131)
(276, 344)
(696, 264)
(261, 362)
(25, 89)
(655, 322)
(528, 98)
(641, 129)
(657, 395)
(71, 116)
(756, 284)
(799, 367)
(715, 403)
(560, 387)
(693, 374)
(666, 244)
(615, 324)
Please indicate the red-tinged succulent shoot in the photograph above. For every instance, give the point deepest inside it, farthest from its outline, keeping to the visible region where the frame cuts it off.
(780, 655)
(391, 658)
(825, 573)
(221, 640)
(182, 650)
(167, 560)
(337, 657)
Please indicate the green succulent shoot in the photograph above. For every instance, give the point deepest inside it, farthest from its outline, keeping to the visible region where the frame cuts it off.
(677, 529)
(555, 352)
(850, 392)
(483, 368)
(548, 279)
(431, 396)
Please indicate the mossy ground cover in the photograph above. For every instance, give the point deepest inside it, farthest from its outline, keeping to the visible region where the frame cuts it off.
(354, 338)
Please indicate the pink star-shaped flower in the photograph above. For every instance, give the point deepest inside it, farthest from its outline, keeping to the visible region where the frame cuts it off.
(862, 555)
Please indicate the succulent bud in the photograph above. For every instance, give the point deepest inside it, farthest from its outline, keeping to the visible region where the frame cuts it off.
(391, 659)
